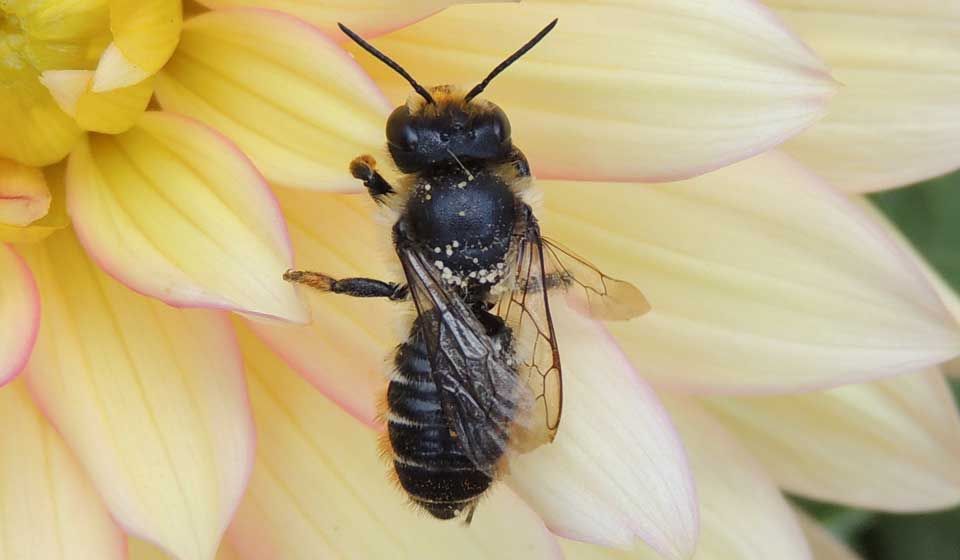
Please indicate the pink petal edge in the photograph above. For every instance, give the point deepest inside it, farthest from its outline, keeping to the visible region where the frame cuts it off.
(116, 269)
(19, 362)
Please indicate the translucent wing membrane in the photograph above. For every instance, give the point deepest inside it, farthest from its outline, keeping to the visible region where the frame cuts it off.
(526, 310)
(474, 371)
(590, 291)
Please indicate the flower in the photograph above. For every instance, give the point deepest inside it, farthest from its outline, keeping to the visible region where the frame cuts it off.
(132, 418)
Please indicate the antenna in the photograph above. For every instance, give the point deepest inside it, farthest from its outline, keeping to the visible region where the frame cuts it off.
(388, 61)
(478, 89)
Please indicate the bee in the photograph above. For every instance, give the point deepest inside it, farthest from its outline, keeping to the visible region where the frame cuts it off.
(479, 376)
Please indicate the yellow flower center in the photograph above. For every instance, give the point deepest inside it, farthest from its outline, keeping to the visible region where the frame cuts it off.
(12, 44)
(47, 35)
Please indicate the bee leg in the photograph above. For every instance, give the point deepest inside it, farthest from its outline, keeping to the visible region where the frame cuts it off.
(365, 168)
(469, 519)
(356, 287)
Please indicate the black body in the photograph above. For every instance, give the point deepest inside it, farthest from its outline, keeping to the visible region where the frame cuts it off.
(460, 215)
(458, 387)
(429, 461)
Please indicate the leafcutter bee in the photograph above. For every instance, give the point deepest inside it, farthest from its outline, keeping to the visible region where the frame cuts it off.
(479, 374)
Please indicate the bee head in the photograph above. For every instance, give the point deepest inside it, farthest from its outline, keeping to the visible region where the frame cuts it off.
(421, 134)
(443, 124)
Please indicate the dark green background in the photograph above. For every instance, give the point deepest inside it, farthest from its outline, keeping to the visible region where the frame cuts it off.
(929, 214)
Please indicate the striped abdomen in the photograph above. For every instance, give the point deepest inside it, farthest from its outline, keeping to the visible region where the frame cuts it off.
(429, 462)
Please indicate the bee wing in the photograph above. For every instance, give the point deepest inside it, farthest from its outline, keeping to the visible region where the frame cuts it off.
(479, 390)
(590, 291)
(526, 310)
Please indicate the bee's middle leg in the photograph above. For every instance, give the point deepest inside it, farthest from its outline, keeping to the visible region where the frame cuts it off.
(356, 287)
(365, 168)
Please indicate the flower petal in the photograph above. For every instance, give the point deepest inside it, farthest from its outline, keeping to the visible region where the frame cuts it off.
(319, 488)
(55, 217)
(145, 32)
(897, 120)
(904, 430)
(946, 293)
(110, 112)
(284, 92)
(654, 90)
(760, 277)
(616, 472)
(759, 528)
(24, 196)
(151, 399)
(823, 544)
(48, 508)
(367, 17)
(19, 313)
(343, 352)
(176, 212)
(36, 131)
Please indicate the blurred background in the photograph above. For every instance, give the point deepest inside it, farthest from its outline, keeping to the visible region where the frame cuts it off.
(929, 214)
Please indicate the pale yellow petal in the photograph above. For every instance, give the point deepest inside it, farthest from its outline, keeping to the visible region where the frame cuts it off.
(743, 515)
(367, 17)
(110, 112)
(151, 399)
(320, 490)
(892, 445)
(761, 279)
(55, 217)
(35, 131)
(623, 90)
(67, 87)
(616, 474)
(145, 32)
(48, 508)
(296, 103)
(345, 350)
(24, 196)
(19, 314)
(177, 212)
(897, 118)
(824, 545)
(947, 294)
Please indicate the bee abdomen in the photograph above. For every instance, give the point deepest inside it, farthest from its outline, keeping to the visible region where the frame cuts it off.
(428, 460)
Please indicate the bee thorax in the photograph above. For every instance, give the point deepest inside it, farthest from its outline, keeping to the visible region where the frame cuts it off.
(463, 219)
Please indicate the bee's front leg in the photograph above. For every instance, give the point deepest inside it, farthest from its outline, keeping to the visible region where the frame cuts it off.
(356, 287)
(365, 168)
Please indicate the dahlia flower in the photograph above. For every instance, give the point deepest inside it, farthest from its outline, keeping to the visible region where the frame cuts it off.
(164, 396)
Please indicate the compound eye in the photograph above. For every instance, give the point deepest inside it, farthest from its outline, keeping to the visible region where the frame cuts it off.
(499, 125)
(400, 130)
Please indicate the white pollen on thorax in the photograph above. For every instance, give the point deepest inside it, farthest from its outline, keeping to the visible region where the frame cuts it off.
(462, 213)
(462, 184)
(438, 264)
(456, 243)
(427, 186)
(429, 197)
(436, 249)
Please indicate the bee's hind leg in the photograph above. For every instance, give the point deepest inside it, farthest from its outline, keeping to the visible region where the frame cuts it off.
(365, 168)
(356, 287)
